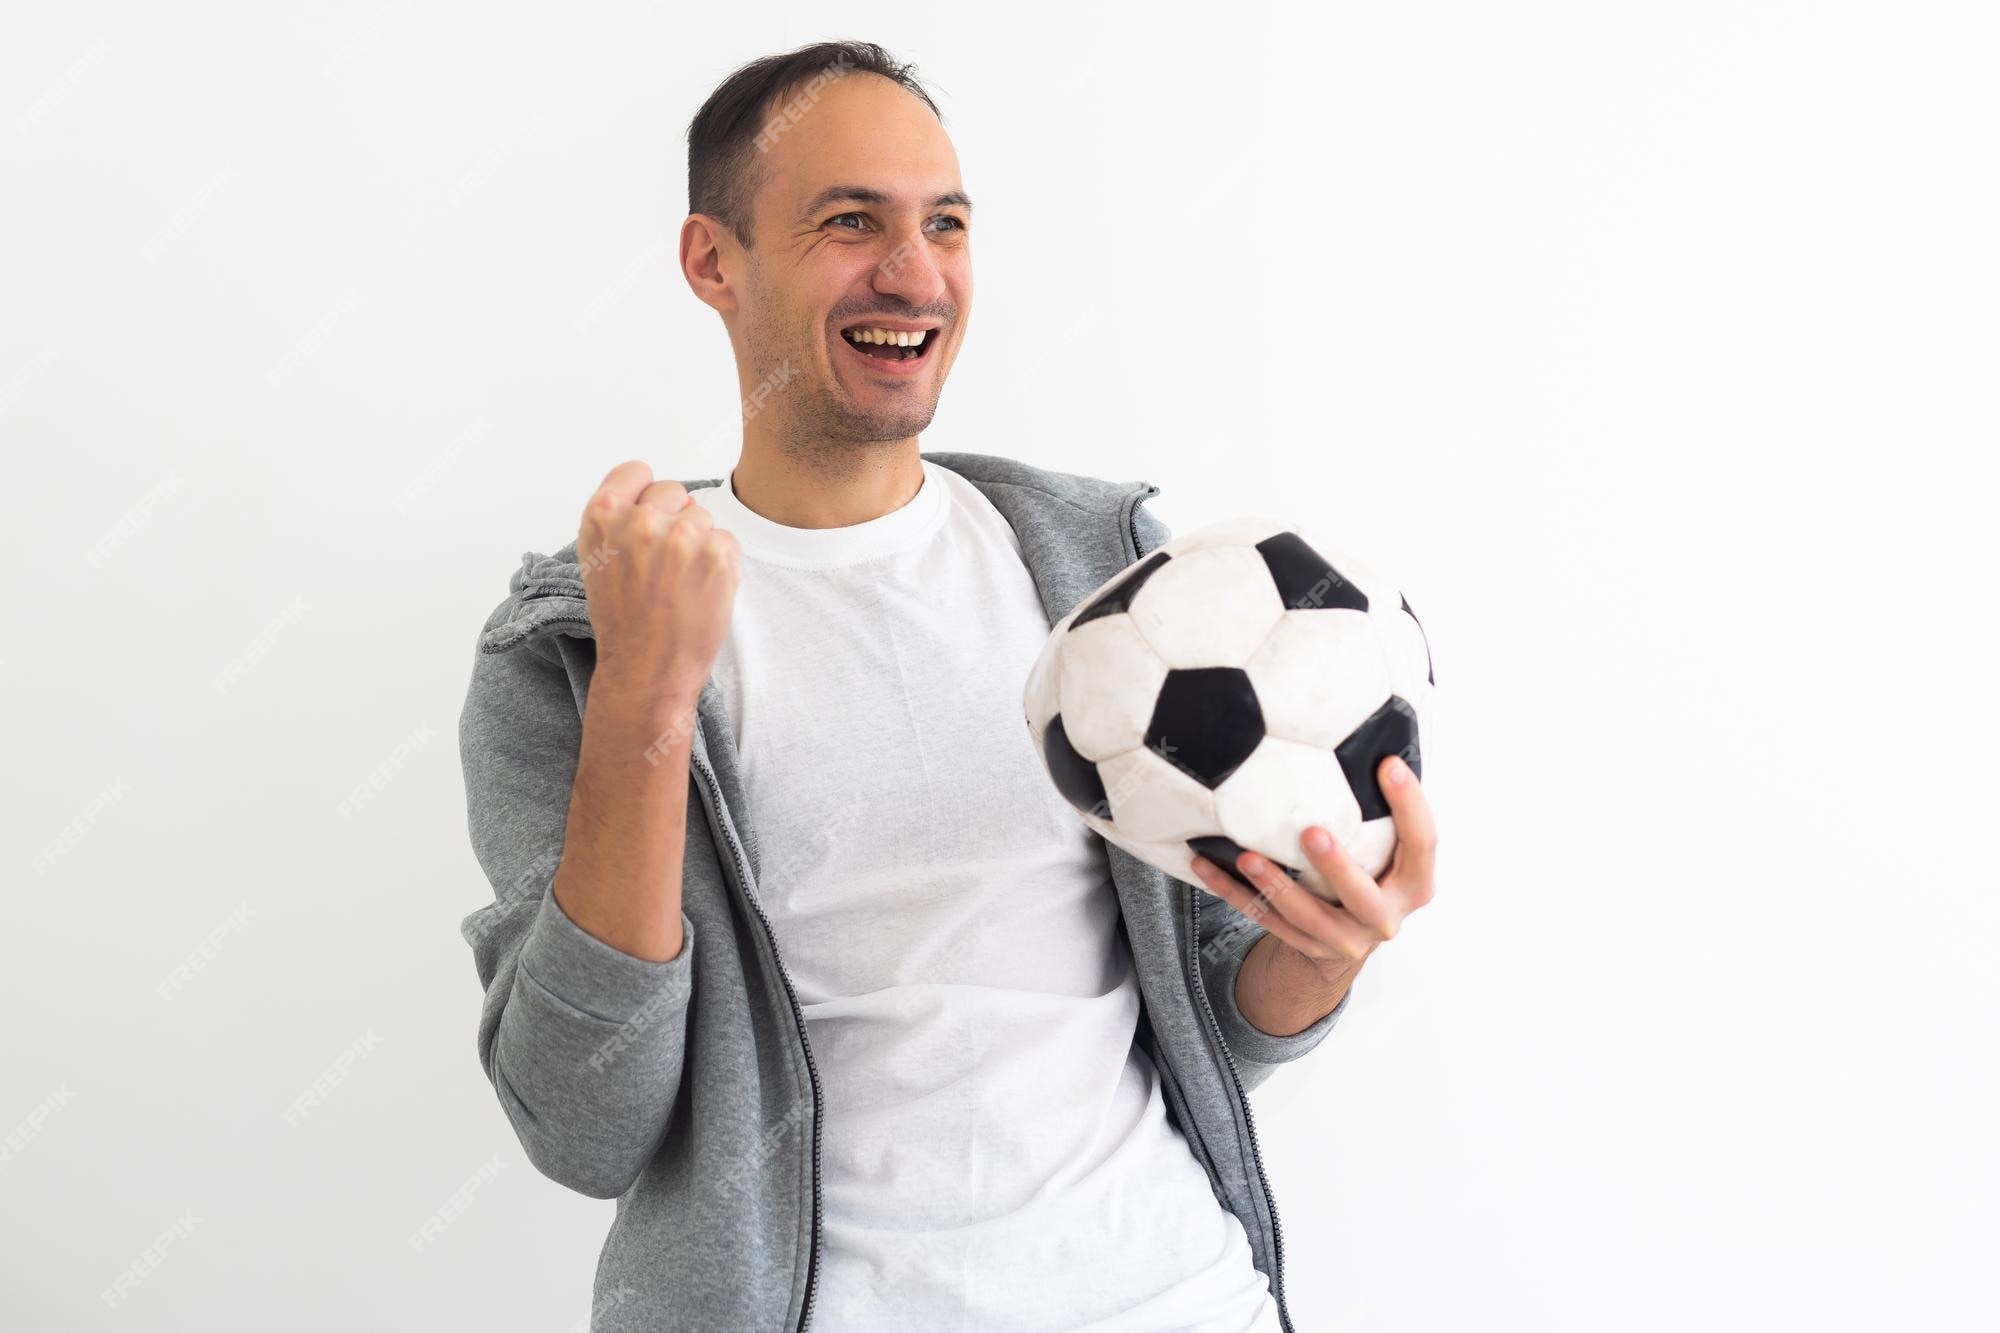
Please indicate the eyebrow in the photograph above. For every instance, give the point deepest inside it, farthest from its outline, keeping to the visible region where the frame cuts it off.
(865, 195)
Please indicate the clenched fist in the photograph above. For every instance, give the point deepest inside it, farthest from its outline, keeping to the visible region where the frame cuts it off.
(660, 579)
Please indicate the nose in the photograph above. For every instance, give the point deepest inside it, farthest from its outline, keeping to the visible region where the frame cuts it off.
(910, 271)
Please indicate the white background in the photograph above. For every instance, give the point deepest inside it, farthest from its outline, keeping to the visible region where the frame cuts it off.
(1652, 346)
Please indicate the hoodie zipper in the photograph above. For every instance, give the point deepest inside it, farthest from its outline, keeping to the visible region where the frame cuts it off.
(1201, 990)
(1235, 1078)
(798, 1015)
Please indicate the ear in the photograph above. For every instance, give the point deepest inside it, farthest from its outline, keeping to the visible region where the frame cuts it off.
(710, 261)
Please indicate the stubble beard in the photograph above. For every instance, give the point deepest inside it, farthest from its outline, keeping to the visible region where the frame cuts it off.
(819, 425)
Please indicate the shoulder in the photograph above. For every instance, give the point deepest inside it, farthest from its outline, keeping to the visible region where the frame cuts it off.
(539, 588)
(1096, 495)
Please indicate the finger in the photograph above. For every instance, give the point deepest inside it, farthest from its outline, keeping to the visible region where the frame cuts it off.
(626, 481)
(615, 495)
(1308, 911)
(1330, 931)
(668, 495)
(1351, 885)
(694, 518)
(1354, 888)
(1259, 911)
(724, 552)
(1416, 829)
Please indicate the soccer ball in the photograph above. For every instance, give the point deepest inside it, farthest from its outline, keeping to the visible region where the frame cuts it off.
(1235, 686)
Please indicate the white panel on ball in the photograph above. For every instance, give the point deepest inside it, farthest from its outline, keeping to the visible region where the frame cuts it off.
(1210, 608)
(1151, 799)
(1319, 674)
(1108, 679)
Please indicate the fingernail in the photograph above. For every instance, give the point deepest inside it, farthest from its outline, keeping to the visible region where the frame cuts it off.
(1318, 840)
(1398, 771)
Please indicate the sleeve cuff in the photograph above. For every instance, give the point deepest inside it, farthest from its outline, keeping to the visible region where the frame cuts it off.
(1250, 1042)
(596, 978)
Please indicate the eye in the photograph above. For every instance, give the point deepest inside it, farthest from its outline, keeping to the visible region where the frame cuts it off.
(843, 215)
(957, 223)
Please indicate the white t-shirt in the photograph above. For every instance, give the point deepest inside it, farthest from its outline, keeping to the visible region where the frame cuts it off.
(997, 1154)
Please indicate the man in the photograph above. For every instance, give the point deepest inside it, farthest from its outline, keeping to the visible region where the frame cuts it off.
(795, 950)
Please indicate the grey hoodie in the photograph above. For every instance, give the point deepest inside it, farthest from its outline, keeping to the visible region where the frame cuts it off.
(686, 1090)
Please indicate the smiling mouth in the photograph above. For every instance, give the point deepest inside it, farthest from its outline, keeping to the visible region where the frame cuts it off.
(890, 344)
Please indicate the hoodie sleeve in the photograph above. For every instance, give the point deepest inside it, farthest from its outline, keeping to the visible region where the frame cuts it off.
(583, 1042)
(1227, 936)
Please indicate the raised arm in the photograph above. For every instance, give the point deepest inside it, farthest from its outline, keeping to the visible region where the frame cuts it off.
(580, 825)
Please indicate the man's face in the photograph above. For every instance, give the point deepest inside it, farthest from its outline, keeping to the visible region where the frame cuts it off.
(861, 224)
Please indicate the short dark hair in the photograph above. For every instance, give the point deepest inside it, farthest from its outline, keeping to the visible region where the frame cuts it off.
(740, 119)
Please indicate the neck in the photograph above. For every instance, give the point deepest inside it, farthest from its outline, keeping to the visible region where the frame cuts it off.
(825, 485)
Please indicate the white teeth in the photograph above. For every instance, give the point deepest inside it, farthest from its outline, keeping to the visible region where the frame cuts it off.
(893, 337)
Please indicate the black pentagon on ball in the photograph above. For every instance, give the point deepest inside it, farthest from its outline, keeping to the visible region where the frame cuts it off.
(1429, 674)
(1224, 851)
(1206, 722)
(1118, 597)
(1075, 777)
(1390, 729)
(1306, 579)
